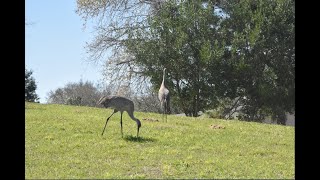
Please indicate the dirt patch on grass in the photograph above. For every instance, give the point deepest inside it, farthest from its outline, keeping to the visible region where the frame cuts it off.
(217, 126)
(150, 119)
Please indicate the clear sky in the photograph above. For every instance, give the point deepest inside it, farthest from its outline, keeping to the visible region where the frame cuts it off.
(54, 45)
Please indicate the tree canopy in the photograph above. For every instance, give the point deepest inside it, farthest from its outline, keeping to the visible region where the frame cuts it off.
(235, 54)
(30, 94)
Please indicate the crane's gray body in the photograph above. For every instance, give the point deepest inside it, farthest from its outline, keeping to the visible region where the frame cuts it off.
(119, 104)
(164, 96)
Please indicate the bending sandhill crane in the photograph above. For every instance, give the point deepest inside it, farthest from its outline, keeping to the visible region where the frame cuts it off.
(164, 96)
(119, 104)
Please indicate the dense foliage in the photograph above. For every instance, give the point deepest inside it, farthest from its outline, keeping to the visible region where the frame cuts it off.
(30, 85)
(238, 55)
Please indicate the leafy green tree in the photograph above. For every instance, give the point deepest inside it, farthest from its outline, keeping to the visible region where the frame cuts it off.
(30, 87)
(217, 53)
(262, 40)
(182, 38)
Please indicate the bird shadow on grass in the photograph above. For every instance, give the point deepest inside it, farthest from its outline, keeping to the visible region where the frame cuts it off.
(138, 139)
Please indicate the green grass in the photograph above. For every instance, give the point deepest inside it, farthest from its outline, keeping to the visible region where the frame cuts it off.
(65, 142)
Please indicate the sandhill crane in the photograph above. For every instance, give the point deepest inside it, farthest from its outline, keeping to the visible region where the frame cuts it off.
(119, 104)
(164, 96)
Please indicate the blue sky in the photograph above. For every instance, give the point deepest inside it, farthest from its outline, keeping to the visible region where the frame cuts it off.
(54, 45)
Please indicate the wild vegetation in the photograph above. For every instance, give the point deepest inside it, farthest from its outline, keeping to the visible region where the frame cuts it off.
(219, 56)
(30, 87)
(87, 94)
(64, 141)
(235, 55)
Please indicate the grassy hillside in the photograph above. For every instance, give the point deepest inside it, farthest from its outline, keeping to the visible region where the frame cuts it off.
(65, 142)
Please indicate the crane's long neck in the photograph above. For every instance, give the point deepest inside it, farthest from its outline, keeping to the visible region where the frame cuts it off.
(164, 73)
(134, 118)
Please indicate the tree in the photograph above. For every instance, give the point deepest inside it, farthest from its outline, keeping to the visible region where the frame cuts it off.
(30, 87)
(80, 94)
(217, 53)
(114, 21)
(183, 40)
(261, 36)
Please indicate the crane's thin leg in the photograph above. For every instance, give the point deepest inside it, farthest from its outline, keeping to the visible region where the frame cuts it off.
(108, 120)
(138, 132)
(163, 114)
(121, 124)
(165, 110)
(162, 110)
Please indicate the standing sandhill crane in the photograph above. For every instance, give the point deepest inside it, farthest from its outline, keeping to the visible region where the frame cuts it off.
(119, 104)
(164, 97)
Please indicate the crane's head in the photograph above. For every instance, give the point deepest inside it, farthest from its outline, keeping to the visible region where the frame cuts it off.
(138, 123)
(103, 101)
